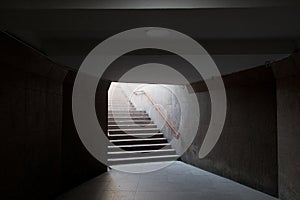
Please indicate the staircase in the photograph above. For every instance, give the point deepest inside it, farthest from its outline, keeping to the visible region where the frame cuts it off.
(135, 137)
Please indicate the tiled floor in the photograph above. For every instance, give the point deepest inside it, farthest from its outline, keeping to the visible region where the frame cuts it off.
(177, 181)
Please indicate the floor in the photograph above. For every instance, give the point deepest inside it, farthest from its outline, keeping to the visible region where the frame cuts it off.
(177, 181)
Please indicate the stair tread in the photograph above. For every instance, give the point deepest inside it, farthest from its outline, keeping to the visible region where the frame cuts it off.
(129, 117)
(133, 129)
(131, 120)
(127, 114)
(143, 157)
(124, 111)
(134, 125)
(136, 134)
(140, 145)
(120, 107)
(141, 151)
(139, 139)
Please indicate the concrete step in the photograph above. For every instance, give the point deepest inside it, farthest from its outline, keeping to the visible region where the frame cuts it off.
(127, 112)
(121, 109)
(138, 147)
(128, 118)
(135, 130)
(121, 98)
(110, 115)
(124, 107)
(144, 159)
(139, 141)
(129, 122)
(118, 99)
(119, 103)
(127, 154)
(131, 126)
(135, 135)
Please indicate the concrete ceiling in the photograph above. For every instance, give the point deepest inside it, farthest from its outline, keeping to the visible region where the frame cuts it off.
(238, 36)
(142, 4)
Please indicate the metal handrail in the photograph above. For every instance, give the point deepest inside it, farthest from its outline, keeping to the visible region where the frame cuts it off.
(177, 134)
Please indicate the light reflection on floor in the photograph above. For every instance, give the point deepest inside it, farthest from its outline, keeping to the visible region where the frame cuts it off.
(175, 182)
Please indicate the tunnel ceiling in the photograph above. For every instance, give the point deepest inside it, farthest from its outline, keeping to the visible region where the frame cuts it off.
(136, 58)
(142, 4)
(237, 36)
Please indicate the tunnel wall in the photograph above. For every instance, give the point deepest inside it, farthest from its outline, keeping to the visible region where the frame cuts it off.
(287, 73)
(31, 122)
(78, 165)
(41, 153)
(246, 151)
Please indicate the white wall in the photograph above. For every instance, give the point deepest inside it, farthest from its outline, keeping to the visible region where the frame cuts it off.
(178, 105)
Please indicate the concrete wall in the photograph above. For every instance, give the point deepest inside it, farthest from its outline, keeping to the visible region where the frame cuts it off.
(259, 145)
(288, 113)
(31, 122)
(78, 165)
(165, 99)
(41, 154)
(247, 149)
(178, 105)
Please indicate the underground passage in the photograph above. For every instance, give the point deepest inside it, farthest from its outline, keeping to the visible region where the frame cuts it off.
(143, 100)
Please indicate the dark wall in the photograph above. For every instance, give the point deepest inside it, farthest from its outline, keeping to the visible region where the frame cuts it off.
(41, 153)
(78, 164)
(288, 113)
(247, 149)
(31, 122)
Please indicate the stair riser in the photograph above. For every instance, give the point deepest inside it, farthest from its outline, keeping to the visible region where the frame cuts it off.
(125, 136)
(141, 161)
(118, 100)
(116, 131)
(125, 105)
(124, 111)
(139, 148)
(141, 142)
(115, 115)
(124, 108)
(128, 118)
(129, 122)
(120, 106)
(128, 155)
(131, 126)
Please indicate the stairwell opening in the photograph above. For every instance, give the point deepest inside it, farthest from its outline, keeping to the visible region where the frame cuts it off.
(142, 121)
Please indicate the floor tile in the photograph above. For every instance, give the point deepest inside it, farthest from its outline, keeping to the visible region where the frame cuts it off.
(178, 181)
